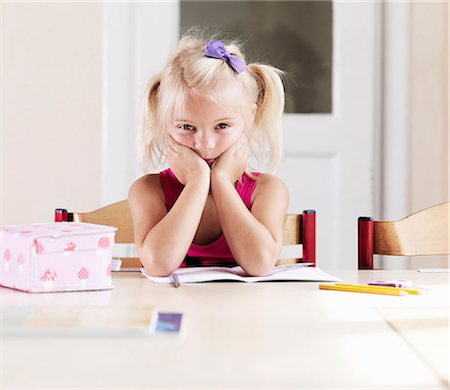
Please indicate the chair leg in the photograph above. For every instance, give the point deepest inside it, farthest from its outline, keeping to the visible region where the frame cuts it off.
(309, 236)
(365, 242)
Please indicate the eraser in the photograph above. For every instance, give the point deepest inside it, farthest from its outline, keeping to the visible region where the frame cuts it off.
(168, 323)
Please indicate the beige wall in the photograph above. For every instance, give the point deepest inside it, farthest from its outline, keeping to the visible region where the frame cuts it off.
(429, 112)
(429, 104)
(51, 124)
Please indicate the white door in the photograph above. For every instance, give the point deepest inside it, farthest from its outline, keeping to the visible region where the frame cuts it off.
(330, 159)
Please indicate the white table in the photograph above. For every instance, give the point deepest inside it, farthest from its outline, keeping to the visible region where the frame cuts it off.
(274, 335)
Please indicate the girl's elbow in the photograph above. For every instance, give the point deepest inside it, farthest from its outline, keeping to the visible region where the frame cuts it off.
(258, 270)
(154, 268)
(262, 267)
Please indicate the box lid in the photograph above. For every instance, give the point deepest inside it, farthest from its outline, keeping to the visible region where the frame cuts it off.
(62, 236)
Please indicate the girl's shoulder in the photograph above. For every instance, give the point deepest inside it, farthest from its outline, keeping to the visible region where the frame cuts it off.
(148, 185)
(267, 183)
(146, 181)
(268, 179)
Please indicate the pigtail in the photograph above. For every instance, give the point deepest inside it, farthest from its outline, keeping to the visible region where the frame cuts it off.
(267, 134)
(150, 143)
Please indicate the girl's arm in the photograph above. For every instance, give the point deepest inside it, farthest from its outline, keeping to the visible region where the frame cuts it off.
(163, 238)
(255, 238)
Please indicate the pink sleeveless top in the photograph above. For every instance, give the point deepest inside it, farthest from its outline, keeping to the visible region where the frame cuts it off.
(217, 253)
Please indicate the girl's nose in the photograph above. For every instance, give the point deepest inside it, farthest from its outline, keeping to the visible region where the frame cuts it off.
(204, 143)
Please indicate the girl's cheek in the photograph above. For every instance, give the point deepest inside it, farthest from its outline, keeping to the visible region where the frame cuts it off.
(235, 138)
(172, 134)
(181, 139)
(228, 143)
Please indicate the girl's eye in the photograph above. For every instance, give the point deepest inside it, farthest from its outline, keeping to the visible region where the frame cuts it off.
(223, 126)
(186, 127)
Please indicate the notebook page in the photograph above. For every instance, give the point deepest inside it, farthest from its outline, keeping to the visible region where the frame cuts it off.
(199, 274)
(305, 274)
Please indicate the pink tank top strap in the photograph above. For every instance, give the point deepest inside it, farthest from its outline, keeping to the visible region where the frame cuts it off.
(245, 187)
(171, 187)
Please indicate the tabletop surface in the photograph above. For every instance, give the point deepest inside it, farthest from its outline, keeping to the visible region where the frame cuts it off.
(271, 335)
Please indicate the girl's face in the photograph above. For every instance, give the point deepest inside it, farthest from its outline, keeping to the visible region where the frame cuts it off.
(208, 128)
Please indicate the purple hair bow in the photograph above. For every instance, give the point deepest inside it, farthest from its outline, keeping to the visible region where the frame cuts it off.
(216, 49)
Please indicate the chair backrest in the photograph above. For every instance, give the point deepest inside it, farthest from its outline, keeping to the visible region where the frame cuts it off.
(298, 229)
(423, 233)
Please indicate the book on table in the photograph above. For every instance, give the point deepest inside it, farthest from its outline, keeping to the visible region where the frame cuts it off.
(290, 272)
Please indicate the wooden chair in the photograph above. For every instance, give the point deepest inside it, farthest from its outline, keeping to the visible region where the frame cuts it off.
(298, 229)
(423, 233)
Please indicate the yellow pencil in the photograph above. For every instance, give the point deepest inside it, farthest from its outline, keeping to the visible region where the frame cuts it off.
(362, 289)
(407, 290)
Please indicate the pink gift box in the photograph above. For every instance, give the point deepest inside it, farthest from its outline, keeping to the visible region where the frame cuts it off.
(58, 256)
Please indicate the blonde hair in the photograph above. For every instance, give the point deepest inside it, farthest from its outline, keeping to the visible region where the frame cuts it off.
(188, 74)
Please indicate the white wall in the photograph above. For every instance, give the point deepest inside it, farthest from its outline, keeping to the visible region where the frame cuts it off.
(51, 109)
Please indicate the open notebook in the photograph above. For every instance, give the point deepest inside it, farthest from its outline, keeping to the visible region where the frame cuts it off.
(292, 272)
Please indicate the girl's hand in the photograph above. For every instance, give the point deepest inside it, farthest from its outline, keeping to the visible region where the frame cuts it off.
(184, 162)
(233, 162)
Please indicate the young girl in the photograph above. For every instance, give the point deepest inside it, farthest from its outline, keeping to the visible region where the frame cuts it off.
(205, 113)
